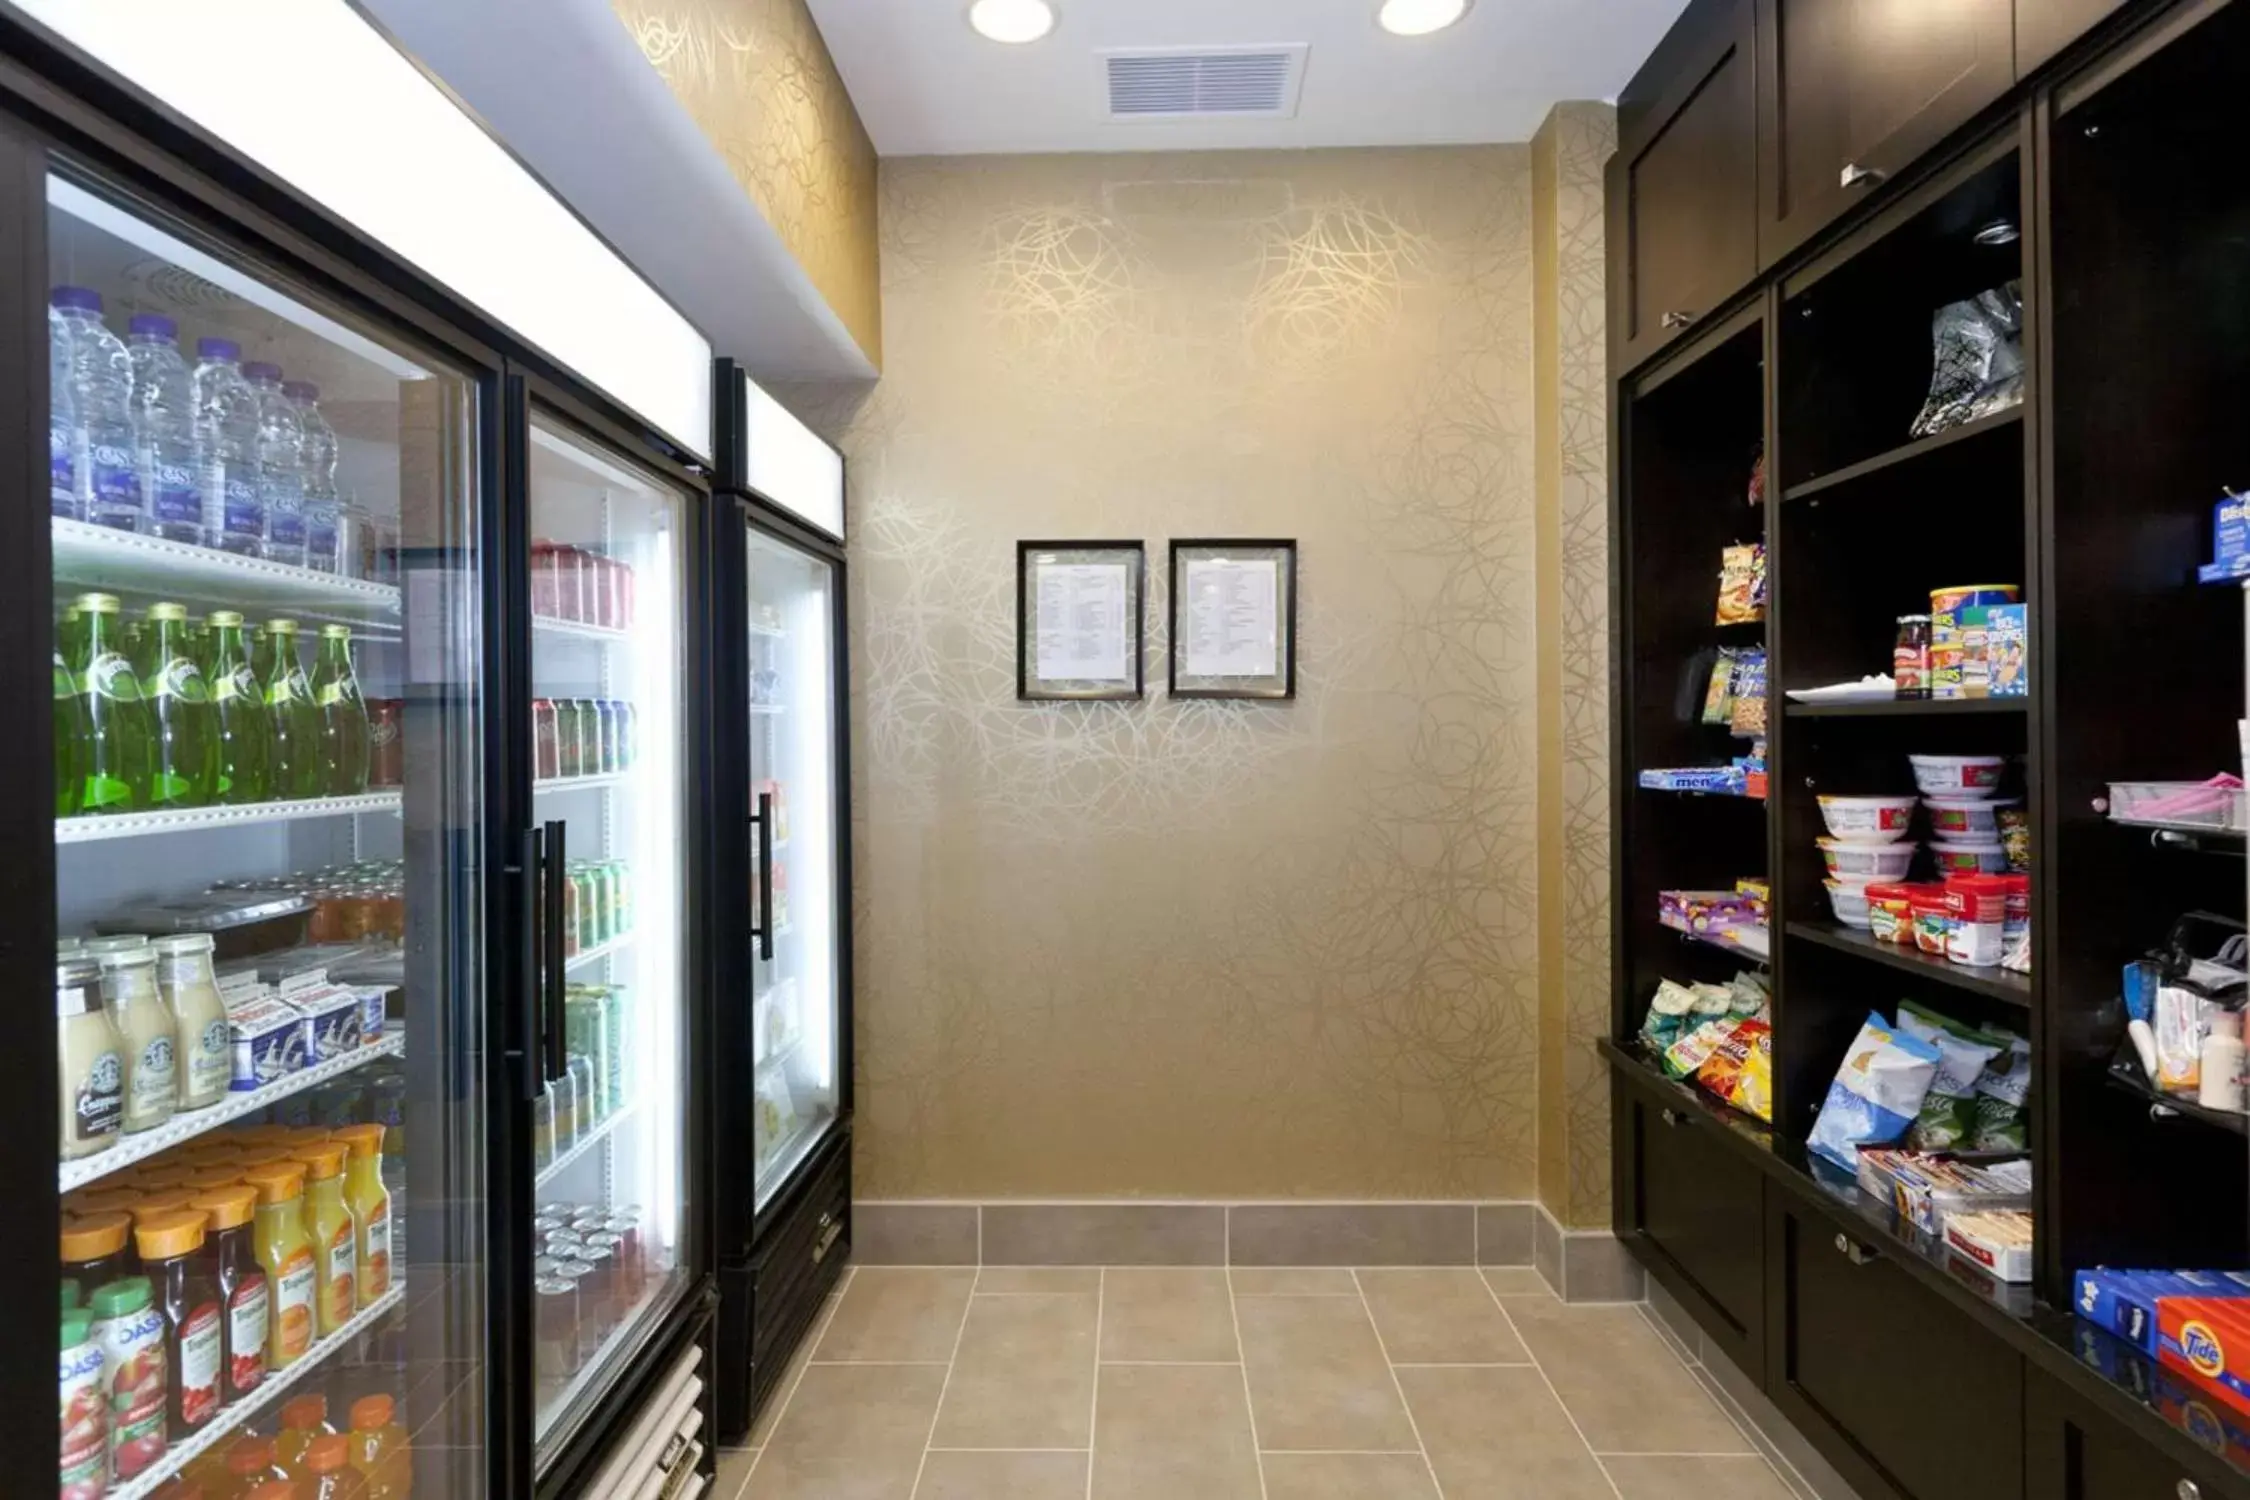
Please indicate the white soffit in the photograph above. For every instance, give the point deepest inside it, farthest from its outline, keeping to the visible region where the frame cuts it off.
(789, 465)
(323, 101)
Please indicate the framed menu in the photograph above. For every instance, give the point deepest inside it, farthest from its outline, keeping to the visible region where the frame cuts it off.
(1234, 619)
(1079, 614)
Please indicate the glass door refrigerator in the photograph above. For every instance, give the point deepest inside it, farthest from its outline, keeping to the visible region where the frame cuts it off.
(783, 1013)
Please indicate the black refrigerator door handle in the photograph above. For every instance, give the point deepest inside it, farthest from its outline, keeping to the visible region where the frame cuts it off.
(763, 819)
(551, 993)
(531, 889)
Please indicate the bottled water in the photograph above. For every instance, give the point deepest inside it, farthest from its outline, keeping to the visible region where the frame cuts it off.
(62, 423)
(226, 444)
(281, 481)
(323, 507)
(164, 418)
(101, 392)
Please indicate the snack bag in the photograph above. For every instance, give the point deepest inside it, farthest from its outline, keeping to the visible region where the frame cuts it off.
(1746, 713)
(1741, 1071)
(1739, 567)
(1667, 1016)
(1718, 698)
(2002, 1089)
(1692, 1050)
(1948, 1116)
(1877, 1092)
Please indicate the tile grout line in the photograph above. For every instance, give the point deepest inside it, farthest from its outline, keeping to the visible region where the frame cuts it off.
(829, 1308)
(1242, 1352)
(1398, 1386)
(1760, 1444)
(1548, 1381)
(968, 1305)
(1094, 1403)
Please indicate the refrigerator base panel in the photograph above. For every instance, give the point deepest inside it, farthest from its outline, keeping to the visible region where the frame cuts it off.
(768, 1305)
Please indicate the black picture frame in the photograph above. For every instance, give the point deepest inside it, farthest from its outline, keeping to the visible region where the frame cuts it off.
(1281, 687)
(1134, 557)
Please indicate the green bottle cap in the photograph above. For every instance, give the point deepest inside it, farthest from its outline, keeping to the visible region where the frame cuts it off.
(69, 1297)
(77, 1327)
(128, 1294)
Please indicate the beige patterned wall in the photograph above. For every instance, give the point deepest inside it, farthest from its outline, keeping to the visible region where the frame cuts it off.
(1572, 426)
(758, 80)
(1200, 949)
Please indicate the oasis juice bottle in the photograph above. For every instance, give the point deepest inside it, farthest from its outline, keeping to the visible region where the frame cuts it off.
(285, 1254)
(370, 1203)
(343, 716)
(335, 1241)
(293, 723)
(117, 726)
(183, 747)
(238, 712)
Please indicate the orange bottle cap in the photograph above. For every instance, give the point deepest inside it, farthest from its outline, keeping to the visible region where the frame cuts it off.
(101, 1201)
(228, 1207)
(95, 1236)
(168, 1235)
(371, 1412)
(171, 1174)
(304, 1412)
(325, 1455)
(273, 1489)
(322, 1161)
(250, 1456)
(164, 1201)
(265, 1156)
(203, 1179)
(365, 1141)
(279, 1182)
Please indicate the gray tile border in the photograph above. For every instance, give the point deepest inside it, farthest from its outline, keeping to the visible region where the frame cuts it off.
(1598, 1268)
(914, 1234)
(1105, 1234)
(1546, 1250)
(1504, 1233)
(1352, 1234)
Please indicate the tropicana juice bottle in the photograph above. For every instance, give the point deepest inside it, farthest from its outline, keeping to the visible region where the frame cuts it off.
(285, 1251)
(335, 1237)
(370, 1203)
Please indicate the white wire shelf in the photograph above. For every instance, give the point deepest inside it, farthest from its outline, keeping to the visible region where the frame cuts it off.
(548, 784)
(147, 567)
(87, 829)
(577, 630)
(232, 1419)
(586, 1143)
(601, 1367)
(766, 708)
(183, 1128)
(770, 632)
(609, 949)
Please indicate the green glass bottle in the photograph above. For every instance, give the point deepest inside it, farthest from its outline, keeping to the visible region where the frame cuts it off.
(71, 634)
(292, 720)
(70, 743)
(343, 715)
(238, 712)
(184, 743)
(117, 728)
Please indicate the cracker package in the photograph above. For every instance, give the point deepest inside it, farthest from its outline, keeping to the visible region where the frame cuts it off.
(1947, 1120)
(1877, 1092)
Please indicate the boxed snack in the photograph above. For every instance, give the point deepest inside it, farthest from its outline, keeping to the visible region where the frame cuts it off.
(334, 1015)
(1728, 781)
(1997, 1240)
(2007, 649)
(2128, 1303)
(268, 1042)
(1704, 911)
(1928, 1192)
(1877, 1092)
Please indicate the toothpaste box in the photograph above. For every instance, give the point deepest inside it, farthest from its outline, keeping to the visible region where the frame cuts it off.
(267, 1041)
(2127, 1303)
(374, 1008)
(334, 1015)
(2208, 1340)
(2007, 650)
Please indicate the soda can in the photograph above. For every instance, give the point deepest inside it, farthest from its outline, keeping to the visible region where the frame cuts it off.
(546, 580)
(589, 738)
(566, 737)
(605, 712)
(612, 1000)
(593, 914)
(573, 587)
(605, 886)
(624, 596)
(603, 574)
(546, 755)
(621, 897)
(386, 742)
(628, 736)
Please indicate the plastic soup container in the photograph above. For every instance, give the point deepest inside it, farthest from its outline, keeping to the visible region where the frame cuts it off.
(1977, 916)
(1928, 906)
(1890, 914)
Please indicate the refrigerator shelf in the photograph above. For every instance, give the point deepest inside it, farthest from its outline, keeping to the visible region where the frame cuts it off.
(578, 630)
(585, 1144)
(86, 830)
(579, 783)
(601, 1366)
(765, 708)
(125, 562)
(233, 1418)
(599, 950)
(184, 1128)
(770, 632)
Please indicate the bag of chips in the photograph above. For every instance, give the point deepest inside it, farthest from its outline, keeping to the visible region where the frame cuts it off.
(1742, 583)
(1741, 1070)
(1877, 1092)
(1947, 1119)
(2001, 1120)
(1695, 1047)
(1667, 1016)
(1718, 697)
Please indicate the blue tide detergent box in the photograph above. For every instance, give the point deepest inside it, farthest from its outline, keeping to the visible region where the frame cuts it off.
(2230, 540)
(2128, 1303)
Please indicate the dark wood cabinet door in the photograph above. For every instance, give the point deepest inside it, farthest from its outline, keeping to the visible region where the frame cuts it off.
(1852, 91)
(2045, 27)
(1853, 1343)
(2075, 1451)
(1685, 183)
(1696, 1211)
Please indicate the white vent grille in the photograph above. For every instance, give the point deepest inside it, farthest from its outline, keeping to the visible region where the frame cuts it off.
(1258, 83)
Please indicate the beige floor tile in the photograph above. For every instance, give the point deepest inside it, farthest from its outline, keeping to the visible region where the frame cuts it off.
(1003, 1476)
(1696, 1479)
(734, 1473)
(1498, 1434)
(1348, 1476)
(1165, 1316)
(1307, 1282)
(1517, 1281)
(1318, 1379)
(1440, 1317)
(762, 1428)
(1168, 1432)
(1007, 1280)
(1024, 1377)
(1624, 1385)
(852, 1432)
(890, 1315)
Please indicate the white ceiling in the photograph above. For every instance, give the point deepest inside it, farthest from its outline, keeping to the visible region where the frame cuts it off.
(927, 85)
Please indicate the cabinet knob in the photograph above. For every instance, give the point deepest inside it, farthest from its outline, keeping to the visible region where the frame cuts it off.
(1852, 1250)
(2188, 1489)
(1677, 319)
(1671, 1118)
(1855, 175)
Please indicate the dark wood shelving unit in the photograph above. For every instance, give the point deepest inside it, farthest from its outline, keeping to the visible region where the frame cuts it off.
(1907, 708)
(2165, 1106)
(1993, 984)
(1921, 451)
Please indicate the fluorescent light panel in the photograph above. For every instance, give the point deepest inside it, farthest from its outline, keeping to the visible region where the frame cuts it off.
(316, 96)
(790, 466)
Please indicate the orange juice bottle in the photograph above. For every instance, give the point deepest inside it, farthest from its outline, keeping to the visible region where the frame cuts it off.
(304, 1421)
(379, 1451)
(370, 1203)
(250, 1463)
(335, 1238)
(286, 1252)
(329, 1474)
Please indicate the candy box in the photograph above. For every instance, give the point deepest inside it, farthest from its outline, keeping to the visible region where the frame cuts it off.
(267, 1040)
(2128, 1303)
(2208, 1340)
(2007, 650)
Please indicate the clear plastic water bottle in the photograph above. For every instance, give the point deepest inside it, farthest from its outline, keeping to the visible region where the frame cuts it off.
(281, 458)
(101, 391)
(62, 423)
(323, 507)
(164, 420)
(226, 445)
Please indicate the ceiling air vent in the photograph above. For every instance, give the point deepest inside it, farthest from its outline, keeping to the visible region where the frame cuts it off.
(1255, 83)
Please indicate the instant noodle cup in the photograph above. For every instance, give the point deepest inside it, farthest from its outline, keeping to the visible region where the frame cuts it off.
(1958, 775)
(1852, 860)
(1968, 858)
(1868, 820)
(1970, 819)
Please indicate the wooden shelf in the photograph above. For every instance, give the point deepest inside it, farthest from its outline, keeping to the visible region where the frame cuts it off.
(2010, 420)
(1900, 708)
(1994, 984)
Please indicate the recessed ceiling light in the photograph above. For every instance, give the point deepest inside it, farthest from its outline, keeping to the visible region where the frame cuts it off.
(1998, 232)
(1420, 17)
(1012, 21)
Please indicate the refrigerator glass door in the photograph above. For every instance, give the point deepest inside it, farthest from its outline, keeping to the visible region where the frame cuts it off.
(794, 1043)
(609, 747)
(267, 714)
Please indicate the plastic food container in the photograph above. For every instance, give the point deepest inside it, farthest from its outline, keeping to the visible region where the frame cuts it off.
(2179, 804)
(1969, 857)
(1969, 819)
(1976, 919)
(1868, 820)
(1972, 776)
(1849, 901)
(2019, 905)
(1851, 860)
(1890, 915)
(1930, 918)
